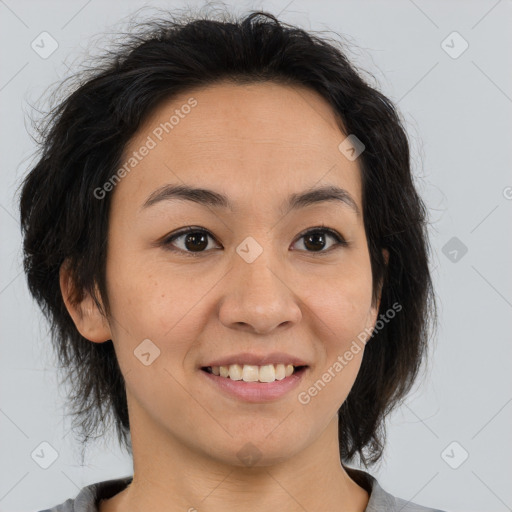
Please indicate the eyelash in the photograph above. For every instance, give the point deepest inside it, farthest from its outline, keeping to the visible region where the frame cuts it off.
(340, 241)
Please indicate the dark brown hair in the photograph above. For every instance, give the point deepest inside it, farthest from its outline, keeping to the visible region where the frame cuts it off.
(81, 143)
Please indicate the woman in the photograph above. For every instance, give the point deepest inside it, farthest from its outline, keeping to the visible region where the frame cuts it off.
(223, 231)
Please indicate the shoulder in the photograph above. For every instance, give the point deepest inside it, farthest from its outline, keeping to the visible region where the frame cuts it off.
(407, 506)
(89, 496)
(382, 501)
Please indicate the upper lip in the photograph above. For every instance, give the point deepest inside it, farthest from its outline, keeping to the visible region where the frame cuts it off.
(257, 359)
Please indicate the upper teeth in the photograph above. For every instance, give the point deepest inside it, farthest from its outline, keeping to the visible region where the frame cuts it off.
(253, 373)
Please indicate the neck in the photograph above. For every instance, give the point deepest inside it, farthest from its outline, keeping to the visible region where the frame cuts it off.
(169, 476)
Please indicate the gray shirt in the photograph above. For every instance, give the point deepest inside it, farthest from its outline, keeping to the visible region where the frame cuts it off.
(380, 501)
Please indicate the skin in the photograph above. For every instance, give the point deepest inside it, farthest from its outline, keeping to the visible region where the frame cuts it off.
(257, 144)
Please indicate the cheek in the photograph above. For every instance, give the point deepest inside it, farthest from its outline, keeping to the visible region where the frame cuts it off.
(143, 291)
(157, 321)
(344, 317)
(344, 304)
(151, 300)
(343, 322)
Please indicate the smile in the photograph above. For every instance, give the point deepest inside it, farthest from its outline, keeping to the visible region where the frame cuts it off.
(254, 373)
(255, 384)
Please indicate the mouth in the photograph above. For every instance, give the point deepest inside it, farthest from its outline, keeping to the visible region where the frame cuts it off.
(253, 373)
(252, 383)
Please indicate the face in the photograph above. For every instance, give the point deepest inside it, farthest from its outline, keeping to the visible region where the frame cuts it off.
(257, 282)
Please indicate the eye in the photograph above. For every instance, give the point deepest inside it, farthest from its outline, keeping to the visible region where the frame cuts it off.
(315, 238)
(195, 240)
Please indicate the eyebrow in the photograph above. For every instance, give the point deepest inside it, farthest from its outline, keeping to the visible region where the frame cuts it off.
(207, 197)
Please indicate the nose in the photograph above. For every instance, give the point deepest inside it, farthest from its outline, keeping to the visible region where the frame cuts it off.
(258, 296)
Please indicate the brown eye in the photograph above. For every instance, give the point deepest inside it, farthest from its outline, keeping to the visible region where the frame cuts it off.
(315, 240)
(194, 240)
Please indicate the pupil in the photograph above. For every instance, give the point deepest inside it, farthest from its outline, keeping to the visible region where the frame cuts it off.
(315, 236)
(192, 237)
(316, 240)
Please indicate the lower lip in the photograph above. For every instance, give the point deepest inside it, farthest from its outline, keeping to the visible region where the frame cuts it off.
(256, 391)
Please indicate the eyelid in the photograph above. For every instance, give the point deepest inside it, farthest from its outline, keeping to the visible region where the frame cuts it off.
(167, 239)
(340, 239)
(326, 229)
(184, 231)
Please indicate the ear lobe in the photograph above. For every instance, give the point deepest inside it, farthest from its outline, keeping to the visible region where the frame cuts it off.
(385, 254)
(89, 321)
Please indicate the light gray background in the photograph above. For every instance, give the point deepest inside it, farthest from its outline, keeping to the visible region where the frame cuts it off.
(458, 114)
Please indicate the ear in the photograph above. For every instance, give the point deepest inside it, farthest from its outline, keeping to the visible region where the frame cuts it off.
(89, 321)
(374, 310)
(385, 254)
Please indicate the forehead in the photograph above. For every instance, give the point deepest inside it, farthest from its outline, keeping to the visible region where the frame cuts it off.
(266, 138)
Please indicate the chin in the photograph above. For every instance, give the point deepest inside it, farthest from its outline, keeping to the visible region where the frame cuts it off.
(258, 451)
